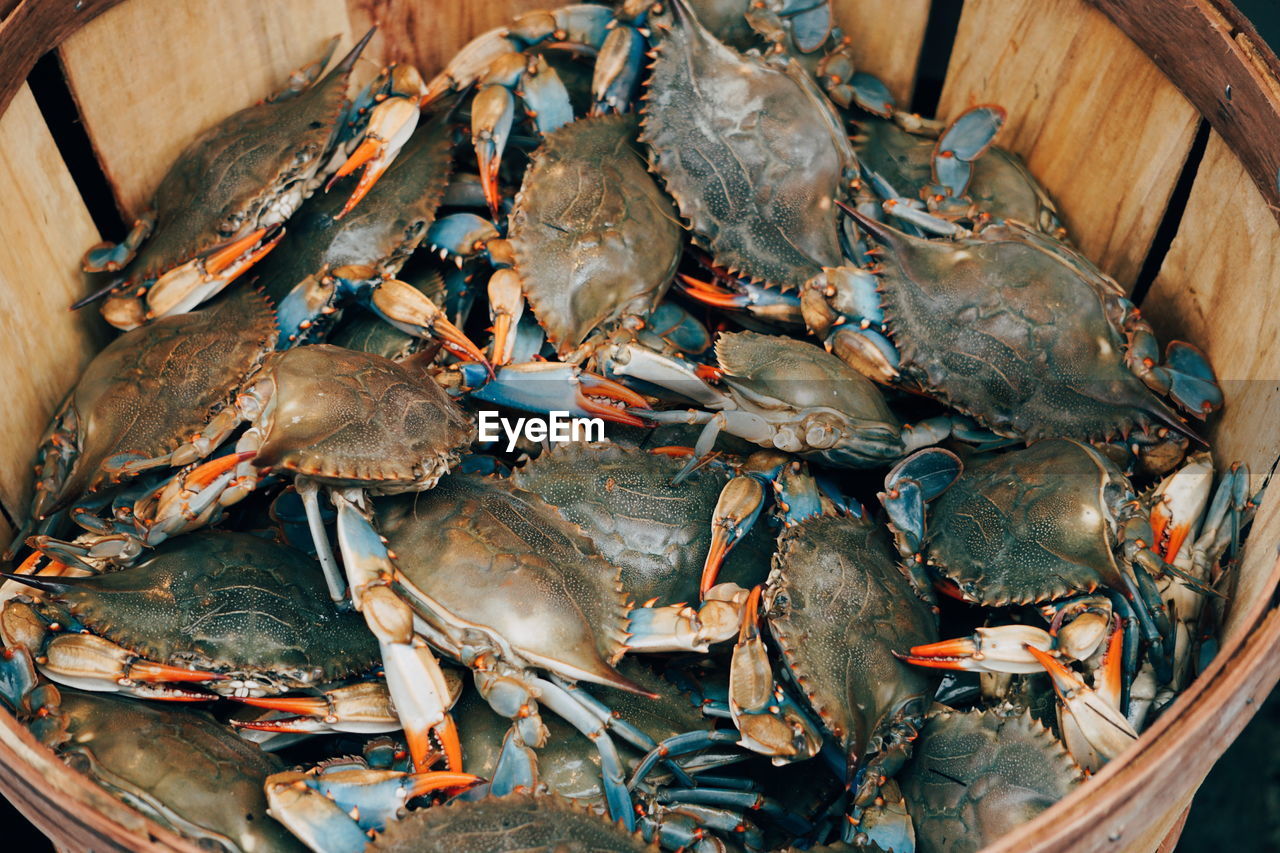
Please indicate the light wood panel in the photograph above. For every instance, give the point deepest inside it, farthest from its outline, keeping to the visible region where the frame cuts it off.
(428, 34)
(887, 36)
(1219, 287)
(1098, 124)
(145, 87)
(43, 346)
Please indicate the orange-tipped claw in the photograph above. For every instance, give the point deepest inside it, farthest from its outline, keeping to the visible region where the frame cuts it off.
(1168, 536)
(458, 343)
(1063, 677)
(715, 559)
(365, 151)
(145, 670)
(598, 386)
(489, 179)
(675, 451)
(1109, 680)
(947, 654)
(708, 293)
(446, 733)
(368, 178)
(224, 257)
(203, 475)
(440, 780)
(306, 706)
(750, 615)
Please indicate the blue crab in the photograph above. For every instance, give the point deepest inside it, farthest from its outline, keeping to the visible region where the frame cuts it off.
(213, 223)
(1013, 329)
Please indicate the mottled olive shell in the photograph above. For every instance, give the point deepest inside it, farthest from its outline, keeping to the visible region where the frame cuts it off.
(236, 168)
(1016, 330)
(751, 152)
(231, 603)
(179, 766)
(659, 534)
(594, 237)
(157, 386)
(839, 607)
(973, 777)
(1029, 525)
(350, 418)
(523, 822)
(381, 231)
(502, 559)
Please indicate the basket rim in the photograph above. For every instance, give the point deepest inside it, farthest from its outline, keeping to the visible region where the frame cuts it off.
(1221, 50)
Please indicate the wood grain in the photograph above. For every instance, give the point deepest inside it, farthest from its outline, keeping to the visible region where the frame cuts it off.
(886, 39)
(43, 346)
(429, 34)
(1211, 52)
(144, 90)
(30, 29)
(1219, 287)
(1098, 124)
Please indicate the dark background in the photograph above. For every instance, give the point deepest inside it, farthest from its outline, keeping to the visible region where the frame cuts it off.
(1237, 809)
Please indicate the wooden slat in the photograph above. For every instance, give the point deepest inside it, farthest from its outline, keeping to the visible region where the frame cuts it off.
(145, 87)
(429, 34)
(42, 345)
(1219, 287)
(1213, 54)
(1095, 120)
(887, 36)
(30, 29)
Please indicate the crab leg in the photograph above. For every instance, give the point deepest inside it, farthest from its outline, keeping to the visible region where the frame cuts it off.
(681, 628)
(736, 512)
(183, 288)
(417, 684)
(580, 717)
(362, 708)
(545, 386)
(999, 649)
(678, 745)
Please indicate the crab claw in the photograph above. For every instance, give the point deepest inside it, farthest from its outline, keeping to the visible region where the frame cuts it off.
(736, 511)
(506, 305)
(1180, 502)
(111, 257)
(546, 386)
(183, 288)
(492, 114)
(1093, 729)
(409, 310)
(145, 670)
(390, 125)
(1000, 649)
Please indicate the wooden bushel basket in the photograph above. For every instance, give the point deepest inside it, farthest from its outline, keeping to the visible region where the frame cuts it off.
(1111, 103)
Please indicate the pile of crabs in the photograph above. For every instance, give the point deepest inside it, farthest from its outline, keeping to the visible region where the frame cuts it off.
(863, 396)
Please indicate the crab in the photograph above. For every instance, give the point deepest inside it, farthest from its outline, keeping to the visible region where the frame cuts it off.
(181, 768)
(778, 392)
(1030, 526)
(656, 532)
(232, 614)
(724, 131)
(330, 259)
(837, 606)
(154, 397)
(975, 776)
(220, 207)
(1011, 328)
(353, 423)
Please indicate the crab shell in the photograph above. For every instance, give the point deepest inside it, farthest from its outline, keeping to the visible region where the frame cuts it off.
(157, 386)
(380, 232)
(839, 607)
(973, 777)
(499, 824)
(180, 767)
(1016, 330)
(1029, 525)
(231, 603)
(752, 154)
(659, 534)
(594, 237)
(250, 170)
(347, 418)
(498, 560)
(804, 376)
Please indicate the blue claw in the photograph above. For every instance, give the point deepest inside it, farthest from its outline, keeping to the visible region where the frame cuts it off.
(677, 745)
(463, 235)
(871, 94)
(17, 677)
(1192, 383)
(516, 768)
(911, 484)
(952, 174)
(811, 24)
(970, 135)
(545, 386)
(618, 70)
(545, 97)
